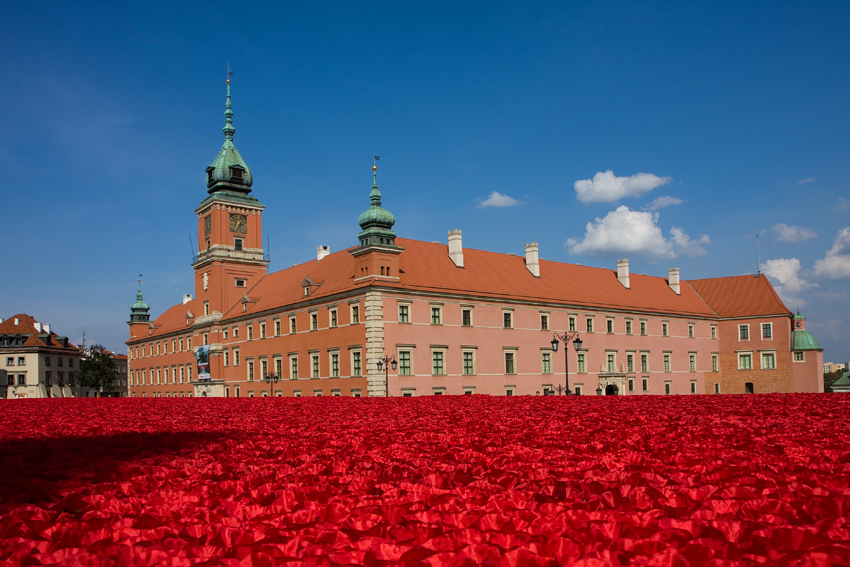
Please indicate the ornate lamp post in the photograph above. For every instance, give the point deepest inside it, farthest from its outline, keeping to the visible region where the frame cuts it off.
(566, 338)
(271, 380)
(384, 364)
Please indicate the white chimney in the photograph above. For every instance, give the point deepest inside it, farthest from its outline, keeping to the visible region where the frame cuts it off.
(186, 298)
(673, 280)
(532, 261)
(456, 247)
(16, 320)
(46, 327)
(322, 251)
(37, 327)
(623, 272)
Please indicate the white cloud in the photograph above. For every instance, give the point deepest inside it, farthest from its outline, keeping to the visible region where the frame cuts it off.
(685, 245)
(836, 264)
(635, 233)
(661, 202)
(806, 180)
(496, 199)
(785, 276)
(784, 233)
(606, 187)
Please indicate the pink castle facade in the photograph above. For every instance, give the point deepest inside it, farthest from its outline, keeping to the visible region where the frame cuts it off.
(442, 319)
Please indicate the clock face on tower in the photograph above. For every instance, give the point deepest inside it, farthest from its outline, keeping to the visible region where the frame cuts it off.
(238, 223)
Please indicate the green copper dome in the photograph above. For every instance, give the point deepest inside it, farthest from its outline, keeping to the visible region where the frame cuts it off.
(376, 221)
(139, 312)
(229, 172)
(801, 339)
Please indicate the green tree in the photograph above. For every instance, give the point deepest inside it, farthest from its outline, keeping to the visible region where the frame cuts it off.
(829, 378)
(97, 370)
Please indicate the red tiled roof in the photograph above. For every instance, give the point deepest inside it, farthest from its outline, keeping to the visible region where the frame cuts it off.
(741, 296)
(26, 326)
(426, 267)
(174, 319)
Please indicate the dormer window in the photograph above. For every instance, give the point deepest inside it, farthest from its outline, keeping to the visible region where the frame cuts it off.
(210, 174)
(236, 173)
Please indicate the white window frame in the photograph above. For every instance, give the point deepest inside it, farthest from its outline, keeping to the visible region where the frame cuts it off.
(772, 355)
(471, 352)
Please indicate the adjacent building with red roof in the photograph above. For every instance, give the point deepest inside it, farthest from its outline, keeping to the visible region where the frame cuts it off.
(35, 362)
(399, 317)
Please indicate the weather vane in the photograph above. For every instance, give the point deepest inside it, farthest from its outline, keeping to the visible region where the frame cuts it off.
(229, 72)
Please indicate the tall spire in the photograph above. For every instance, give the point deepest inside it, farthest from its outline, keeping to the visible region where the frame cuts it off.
(229, 172)
(228, 129)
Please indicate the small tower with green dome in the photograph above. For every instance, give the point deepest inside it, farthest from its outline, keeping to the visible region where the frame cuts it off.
(377, 254)
(139, 314)
(376, 222)
(801, 339)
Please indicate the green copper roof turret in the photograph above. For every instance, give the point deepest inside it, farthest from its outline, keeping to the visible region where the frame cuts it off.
(801, 339)
(229, 172)
(376, 221)
(140, 311)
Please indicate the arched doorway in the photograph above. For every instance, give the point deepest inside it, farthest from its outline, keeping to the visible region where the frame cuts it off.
(611, 390)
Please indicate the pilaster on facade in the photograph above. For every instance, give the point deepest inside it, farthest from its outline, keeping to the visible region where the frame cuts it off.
(374, 323)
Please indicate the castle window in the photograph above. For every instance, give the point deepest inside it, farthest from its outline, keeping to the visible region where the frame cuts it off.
(436, 315)
(237, 243)
(466, 317)
(240, 283)
(510, 363)
(469, 362)
(404, 363)
(236, 173)
(768, 361)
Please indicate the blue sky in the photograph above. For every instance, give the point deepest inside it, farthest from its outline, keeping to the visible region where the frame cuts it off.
(671, 133)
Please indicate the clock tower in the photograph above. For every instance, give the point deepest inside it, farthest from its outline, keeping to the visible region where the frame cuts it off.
(230, 256)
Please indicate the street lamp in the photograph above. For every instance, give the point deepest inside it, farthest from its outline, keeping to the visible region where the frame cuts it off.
(384, 364)
(566, 338)
(271, 380)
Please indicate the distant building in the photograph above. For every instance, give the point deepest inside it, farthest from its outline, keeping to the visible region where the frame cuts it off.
(451, 320)
(35, 362)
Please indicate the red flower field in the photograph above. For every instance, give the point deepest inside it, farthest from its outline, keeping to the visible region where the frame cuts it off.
(468, 480)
